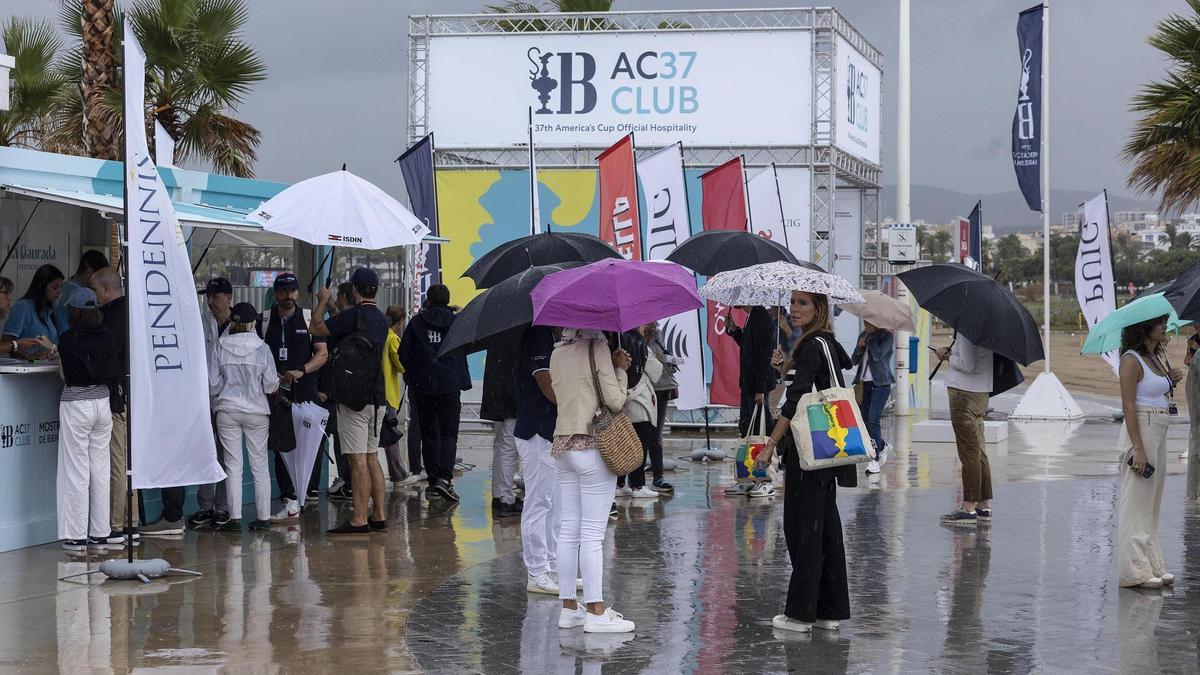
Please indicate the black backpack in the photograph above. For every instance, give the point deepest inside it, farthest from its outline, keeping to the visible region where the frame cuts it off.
(355, 367)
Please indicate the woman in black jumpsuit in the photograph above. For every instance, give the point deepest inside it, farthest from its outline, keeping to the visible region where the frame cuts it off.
(817, 593)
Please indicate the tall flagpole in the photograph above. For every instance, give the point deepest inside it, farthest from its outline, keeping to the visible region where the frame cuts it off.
(903, 383)
(534, 226)
(1044, 155)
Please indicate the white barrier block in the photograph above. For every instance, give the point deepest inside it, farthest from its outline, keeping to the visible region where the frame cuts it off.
(940, 431)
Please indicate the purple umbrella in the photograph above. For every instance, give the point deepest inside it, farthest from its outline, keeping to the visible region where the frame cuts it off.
(614, 295)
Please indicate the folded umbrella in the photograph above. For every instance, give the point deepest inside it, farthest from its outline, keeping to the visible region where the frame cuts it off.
(883, 311)
(1105, 336)
(717, 251)
(498, 312)
(978, 307)
(309, 420)
(614, 295)
(510, 259)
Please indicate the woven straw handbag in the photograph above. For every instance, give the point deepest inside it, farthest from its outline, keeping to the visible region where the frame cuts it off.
(618, 443)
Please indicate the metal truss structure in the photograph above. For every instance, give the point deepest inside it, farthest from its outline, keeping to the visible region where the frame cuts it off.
(833, 170)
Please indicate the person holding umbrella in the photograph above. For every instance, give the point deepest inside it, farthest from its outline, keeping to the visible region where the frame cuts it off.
(969, 385)
(1147, 399)
(873, 356)
(818, 594)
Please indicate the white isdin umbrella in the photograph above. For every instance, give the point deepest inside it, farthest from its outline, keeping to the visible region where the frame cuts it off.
(340, 209)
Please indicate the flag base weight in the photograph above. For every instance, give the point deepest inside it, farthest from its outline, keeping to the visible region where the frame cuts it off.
(128, 570)
(1047, 399)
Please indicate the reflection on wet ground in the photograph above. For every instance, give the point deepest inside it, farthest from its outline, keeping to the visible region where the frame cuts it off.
(443, 590)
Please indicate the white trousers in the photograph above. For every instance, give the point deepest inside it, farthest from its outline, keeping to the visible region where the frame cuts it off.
(586, 488)
(504, 461)
(1138, 556)
(231, 427)
(540, 517)
(84, 431)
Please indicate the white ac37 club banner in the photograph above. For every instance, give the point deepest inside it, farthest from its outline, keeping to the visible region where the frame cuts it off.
(172, 436)
(766, 208)
(668, 225)
(1094, 287)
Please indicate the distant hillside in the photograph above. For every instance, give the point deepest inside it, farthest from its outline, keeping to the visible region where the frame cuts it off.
(1004, 211)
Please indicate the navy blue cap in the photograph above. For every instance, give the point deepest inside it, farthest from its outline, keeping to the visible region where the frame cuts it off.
(244, 312)
(218, 285)
(364, 277)
(286, 280)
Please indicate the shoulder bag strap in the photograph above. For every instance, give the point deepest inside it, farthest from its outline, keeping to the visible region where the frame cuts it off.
(596, 376)
(834, 380)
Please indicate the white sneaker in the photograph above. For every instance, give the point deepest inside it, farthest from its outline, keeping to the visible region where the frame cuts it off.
(1152, 582)
(883, 456)
(826, 624)
(289, 511)
(738, 489)
(608, 622)
(411, 479)
(1168, 579)
(644, 493)
(763, 489)
(873, 466)
(572, 618)
(784, 622)
(625, 491)
(554, 576)
(543, 583)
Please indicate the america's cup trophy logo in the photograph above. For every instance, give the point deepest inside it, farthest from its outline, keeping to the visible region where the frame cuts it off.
(539, 78)
(1024, 105)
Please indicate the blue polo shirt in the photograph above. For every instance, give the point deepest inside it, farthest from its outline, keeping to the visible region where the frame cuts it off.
(536, 415)
(25, 321)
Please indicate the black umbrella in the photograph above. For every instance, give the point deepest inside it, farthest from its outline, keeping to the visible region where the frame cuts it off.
(1183, 293)
(717, 251)
(979, 308)
(510, 259)
(500, 313)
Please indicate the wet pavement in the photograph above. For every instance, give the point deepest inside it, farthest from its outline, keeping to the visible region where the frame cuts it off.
(443, 589)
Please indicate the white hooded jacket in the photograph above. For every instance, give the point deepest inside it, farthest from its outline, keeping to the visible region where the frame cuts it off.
(241, 374)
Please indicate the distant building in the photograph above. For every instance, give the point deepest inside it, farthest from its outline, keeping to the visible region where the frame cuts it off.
(1136, 221)
(1072, 220)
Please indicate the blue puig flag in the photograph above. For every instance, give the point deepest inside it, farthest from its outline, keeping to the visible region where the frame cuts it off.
(1027, 122)
(417, 166)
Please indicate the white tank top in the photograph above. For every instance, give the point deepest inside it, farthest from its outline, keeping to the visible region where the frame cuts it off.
(1152, 389)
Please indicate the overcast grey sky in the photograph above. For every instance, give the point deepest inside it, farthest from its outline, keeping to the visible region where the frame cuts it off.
(337, 87)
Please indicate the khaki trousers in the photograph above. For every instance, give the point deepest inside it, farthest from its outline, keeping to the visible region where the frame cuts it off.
(1138, 557)
(116, 491)
(967, 409)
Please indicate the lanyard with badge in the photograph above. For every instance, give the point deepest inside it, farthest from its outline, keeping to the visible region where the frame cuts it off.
(1172, 408)
(283, 343)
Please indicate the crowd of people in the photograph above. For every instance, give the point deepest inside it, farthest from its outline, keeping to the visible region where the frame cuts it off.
(542, 388)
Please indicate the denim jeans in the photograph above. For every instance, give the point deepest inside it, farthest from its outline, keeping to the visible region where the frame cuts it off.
(873, 401)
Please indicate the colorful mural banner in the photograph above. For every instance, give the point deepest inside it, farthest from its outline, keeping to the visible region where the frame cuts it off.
(619, 222)
(723, 207)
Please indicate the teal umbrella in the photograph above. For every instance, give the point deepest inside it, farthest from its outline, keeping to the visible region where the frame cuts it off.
(1105, 336)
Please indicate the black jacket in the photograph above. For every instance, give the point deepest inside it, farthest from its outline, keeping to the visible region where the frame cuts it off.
(116, 319)
(812, 370)
(500, 372)
(424, 371)
(757, 341)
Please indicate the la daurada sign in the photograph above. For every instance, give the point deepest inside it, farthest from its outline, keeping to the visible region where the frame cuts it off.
(747, 88)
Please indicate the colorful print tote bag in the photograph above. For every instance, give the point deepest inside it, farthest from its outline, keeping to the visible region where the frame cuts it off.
(828, 426)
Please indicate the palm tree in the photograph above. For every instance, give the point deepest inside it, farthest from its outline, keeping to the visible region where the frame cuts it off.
(34, 46)
(1163, 144)
(198, 70)
(98, 76)
(519, 7)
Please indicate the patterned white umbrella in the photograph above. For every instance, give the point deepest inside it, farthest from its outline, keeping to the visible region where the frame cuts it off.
(771, 285)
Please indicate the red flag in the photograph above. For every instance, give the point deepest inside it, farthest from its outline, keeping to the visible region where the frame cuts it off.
(964, 239)
(619, 200)
(723, 207)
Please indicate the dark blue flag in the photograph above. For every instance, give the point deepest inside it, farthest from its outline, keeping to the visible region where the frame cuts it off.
(417, 166)
(975, 246)
(1027, 122)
